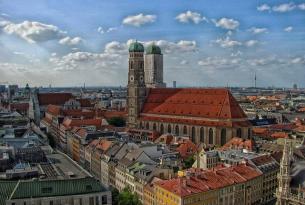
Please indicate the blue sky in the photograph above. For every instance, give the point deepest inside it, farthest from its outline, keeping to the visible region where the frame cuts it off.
(205, 43)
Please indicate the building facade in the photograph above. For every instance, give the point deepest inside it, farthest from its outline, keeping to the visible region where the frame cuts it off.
(210, 116)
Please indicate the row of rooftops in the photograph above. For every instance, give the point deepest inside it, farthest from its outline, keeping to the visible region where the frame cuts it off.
(198, 180)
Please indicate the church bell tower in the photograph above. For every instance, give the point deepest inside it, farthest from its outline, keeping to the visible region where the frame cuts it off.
(136, 90)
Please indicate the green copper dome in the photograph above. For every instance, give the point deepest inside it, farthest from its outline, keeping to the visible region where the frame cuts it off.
(136, 47)
(153, 49)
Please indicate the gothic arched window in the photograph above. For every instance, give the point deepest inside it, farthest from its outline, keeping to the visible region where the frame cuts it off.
(177, 130)
(162, 129)
(201, 134)
(211, 136)
(223, 136)
(184, 130)
(169, 128)
(193, 134)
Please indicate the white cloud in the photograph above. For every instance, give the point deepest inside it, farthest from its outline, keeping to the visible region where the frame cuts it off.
(71, 41)
(139, 20)
(4, 23)
(288, 29)
(184, 62)
(256, 30)
(211, 64)
(171, 47)
(32, 31)
(227, 42)
(302, 6)
(264, 7)
(226, 23)
(251, 43)
(190, 16)
(101, 30)
(115, 47)
(284, 7)
(298, 60)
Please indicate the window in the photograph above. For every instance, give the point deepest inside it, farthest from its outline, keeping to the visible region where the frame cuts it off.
(91, 201)
(51, 202)
(249, 133)
(193, 134)
(184, 130)
(154, 126)
(211, 136)
(162, 129)
(169, 129)
(147, 126)
(201, 134)
(104, 199)
(238, 132)
(177, 130)
(97, 201)
(223, 137)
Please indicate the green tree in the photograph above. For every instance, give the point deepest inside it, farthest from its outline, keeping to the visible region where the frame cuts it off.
(117, 121)
(128, 198)
(188, 162)
(115, 196)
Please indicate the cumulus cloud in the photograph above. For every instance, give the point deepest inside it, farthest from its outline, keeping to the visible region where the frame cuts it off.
(227, 42)
(190, 16)
(227, 23)
(256, 30)
(219, 63)
(102, 30)
(115, 47)
(251, 43)
(301, 6)
(264, 7)
(288, 29)
(184, 62)
(139, 20)
(171, 47)
(282, 8)
(32, 31)
(298, 60)
(70, 41)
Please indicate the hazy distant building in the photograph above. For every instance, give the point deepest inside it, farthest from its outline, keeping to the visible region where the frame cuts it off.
(2, 88)
(153, 67)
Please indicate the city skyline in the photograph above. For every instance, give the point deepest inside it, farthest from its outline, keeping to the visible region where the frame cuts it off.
(204, 44)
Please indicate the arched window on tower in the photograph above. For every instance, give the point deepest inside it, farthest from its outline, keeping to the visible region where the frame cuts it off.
(201, 134)
(169, 128)
(211, 136)
(223, 136)
(193, 134)
(162, 129)
(185, 130)
(238, 133)
(177, 130)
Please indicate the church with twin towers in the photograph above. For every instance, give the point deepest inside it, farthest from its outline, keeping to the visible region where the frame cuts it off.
(207, 115)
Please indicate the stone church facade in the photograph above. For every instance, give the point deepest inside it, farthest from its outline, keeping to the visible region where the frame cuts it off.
(208, 115)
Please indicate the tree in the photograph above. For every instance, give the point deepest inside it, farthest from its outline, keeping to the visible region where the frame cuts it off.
(128, 198)
(188, 162)
(117, 121)
(115, 196)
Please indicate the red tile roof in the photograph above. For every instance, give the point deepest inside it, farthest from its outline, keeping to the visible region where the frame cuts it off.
(195, 102)
(204, 180)
(186, 148)
(84, 102)
(22, 107)
(239, 143)
(53, 109)
(53, 98)
(279, 135)
(69, 123)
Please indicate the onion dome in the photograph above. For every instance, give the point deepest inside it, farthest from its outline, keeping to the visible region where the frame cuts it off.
(136, 47)
(153, 49)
